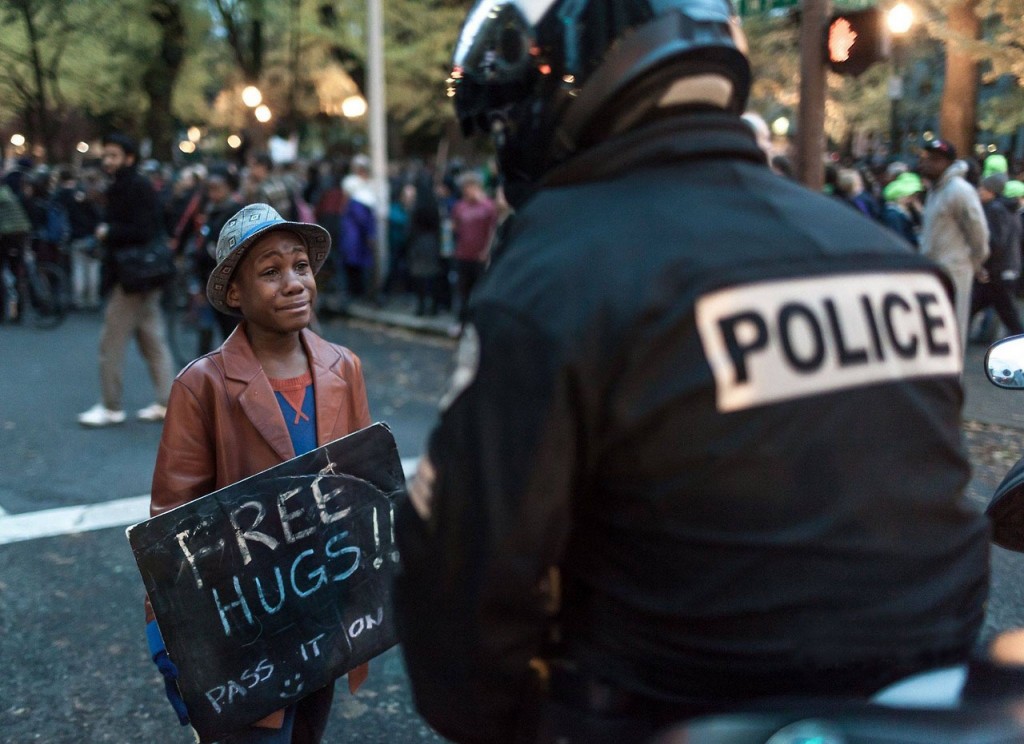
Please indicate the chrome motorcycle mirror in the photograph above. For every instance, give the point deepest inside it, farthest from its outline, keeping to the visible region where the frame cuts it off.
(1004, 363)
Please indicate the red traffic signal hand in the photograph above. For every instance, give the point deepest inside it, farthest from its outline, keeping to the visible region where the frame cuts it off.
(855, 40)
(841, 38)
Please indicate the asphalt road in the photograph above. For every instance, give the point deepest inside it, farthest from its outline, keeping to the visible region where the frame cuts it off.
(73, 660)
(73, 665)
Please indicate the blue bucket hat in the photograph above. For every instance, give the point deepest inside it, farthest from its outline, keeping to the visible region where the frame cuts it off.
(237, 236)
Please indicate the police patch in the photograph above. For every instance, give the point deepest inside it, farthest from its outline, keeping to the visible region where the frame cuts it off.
(792, 338)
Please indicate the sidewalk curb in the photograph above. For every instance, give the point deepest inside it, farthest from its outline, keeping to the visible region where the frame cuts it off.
(436, 325)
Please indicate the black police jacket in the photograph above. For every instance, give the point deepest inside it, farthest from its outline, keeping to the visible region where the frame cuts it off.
(727, 409)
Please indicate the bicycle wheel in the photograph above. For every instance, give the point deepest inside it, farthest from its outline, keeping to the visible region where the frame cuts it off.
(48, 295)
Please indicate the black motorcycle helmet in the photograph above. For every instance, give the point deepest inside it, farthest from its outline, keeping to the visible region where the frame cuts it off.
(548, 78)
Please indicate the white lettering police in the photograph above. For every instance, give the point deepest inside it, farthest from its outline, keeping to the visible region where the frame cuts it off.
(786, 339)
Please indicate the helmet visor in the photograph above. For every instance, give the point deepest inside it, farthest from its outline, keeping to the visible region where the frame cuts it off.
(495, 58)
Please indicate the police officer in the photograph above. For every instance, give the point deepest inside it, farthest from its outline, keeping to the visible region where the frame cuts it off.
(702, 442)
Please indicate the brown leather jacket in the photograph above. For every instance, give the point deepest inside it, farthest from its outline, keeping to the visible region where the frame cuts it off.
(224, 424)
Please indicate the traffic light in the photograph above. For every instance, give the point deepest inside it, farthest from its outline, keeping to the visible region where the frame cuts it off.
(855, 40)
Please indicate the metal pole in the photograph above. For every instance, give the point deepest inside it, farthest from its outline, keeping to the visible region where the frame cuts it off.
(895, 96)
(378, 131)
(810, 138)
(294, 21)
(895, 130)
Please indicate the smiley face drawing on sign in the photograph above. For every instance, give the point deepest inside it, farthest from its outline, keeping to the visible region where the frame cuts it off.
(292, 686)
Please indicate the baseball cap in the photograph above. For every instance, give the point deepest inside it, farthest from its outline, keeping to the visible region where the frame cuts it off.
(941, 147)
(905, 184)
(1014, 189)
(994, 164)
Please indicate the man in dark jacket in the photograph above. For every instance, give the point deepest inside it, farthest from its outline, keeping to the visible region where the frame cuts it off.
(998, 284)
(221, 205)
(131, 219)
(702, 444)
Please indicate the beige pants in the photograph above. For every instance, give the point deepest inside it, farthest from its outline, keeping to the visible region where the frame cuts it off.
(963, 282)
(139, 315)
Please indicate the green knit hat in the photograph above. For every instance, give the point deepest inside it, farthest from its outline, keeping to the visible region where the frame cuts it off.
(995, 164)
(1014, 189)
(905, 184)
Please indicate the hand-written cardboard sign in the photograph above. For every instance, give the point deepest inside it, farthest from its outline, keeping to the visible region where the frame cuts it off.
(272, 587)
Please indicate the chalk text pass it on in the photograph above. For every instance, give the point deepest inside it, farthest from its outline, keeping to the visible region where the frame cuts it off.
(792, 338)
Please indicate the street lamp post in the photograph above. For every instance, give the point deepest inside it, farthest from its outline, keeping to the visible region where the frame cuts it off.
(895, 96)
(899, 19)
(377, 128)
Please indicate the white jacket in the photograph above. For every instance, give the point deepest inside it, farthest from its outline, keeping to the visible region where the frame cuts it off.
(955, 232)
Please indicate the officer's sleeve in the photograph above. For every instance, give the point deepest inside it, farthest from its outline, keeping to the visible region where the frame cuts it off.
(473, 603)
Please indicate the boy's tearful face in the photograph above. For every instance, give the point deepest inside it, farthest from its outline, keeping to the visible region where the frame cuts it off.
(273, 286)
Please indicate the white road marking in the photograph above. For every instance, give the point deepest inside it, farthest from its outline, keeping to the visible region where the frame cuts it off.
(69, 520)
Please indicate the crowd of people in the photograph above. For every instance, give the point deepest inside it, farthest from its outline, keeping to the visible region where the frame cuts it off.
(54, 212)
(440, 225)
(964, 213)
(440, 228)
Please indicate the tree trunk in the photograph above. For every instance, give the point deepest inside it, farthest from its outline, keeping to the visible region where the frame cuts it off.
(810, 135)
(39, 104)
(958, 112)
(161, 75)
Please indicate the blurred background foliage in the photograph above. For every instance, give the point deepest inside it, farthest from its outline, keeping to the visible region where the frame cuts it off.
(72, 69)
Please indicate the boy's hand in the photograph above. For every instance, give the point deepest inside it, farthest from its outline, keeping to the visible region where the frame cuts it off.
(421, 493)
(167, 669)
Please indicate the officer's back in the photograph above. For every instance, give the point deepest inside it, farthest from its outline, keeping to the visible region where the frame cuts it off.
(724, 408)
(765, 412)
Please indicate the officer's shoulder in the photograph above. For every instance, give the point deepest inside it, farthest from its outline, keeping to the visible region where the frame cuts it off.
(552, 281)
(543, 247)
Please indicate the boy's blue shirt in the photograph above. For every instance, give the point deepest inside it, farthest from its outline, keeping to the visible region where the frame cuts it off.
(298, 406)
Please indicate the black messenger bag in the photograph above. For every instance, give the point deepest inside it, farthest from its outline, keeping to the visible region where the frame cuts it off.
(140, 268)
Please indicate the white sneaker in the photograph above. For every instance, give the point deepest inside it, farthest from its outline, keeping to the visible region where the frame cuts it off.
(100, 415)
(153, 412)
